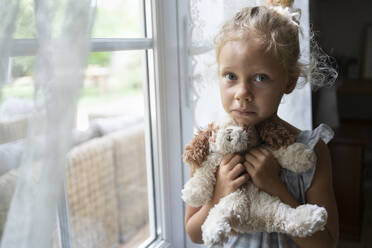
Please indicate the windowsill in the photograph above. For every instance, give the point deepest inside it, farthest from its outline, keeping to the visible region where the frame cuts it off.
(159, 243)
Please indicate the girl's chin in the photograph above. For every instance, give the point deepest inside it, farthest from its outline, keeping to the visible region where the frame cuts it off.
(245, 121)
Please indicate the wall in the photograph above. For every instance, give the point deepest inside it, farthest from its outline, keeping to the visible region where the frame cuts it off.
(341, 24)
(340, 27)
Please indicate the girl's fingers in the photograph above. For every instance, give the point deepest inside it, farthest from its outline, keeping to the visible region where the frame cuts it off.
(251, 158)
(234, 161)
(256, 153)
(259, 153)
(249, 167)
(241, 180)
(264, 151)
(237, 170)
(226, 159)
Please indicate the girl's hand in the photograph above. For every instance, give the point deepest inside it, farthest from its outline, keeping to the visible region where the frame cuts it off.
(230, 175)
(263, 168)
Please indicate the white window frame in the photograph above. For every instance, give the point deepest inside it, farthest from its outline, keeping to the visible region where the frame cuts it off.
(168, 53)
(169, 59)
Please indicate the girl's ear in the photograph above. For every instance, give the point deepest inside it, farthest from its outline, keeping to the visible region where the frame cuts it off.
(291, 84)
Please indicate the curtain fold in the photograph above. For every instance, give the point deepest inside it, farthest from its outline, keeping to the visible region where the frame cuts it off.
(63, 29)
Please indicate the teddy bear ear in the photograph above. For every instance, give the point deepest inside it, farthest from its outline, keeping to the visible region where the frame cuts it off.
(198, 149)
(275, 134)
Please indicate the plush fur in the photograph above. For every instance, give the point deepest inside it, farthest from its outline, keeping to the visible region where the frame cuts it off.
(248, 209)
(198, 149)
(275, 134)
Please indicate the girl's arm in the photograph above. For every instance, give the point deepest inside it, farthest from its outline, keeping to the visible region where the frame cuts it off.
(194, 219)
(321, 193)
(229, 176)
(264, 171)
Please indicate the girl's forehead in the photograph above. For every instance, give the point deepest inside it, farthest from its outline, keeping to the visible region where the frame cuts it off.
(244, 49)
(247, 53)
(245, 44)
(245, 38)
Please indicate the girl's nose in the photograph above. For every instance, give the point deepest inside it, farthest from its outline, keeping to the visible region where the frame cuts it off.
(244, 93)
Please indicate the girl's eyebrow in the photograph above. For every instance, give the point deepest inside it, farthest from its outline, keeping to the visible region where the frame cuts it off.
(226, 68)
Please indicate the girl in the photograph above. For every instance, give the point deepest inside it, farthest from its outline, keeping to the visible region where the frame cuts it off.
(257, 54)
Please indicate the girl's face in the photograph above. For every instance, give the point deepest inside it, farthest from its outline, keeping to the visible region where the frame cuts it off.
(251, 81)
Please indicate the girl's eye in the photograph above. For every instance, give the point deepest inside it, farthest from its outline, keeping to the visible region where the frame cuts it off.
(230, 76)
(260, 77)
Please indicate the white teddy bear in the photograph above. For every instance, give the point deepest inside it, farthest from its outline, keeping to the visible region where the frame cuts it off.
(248, 209)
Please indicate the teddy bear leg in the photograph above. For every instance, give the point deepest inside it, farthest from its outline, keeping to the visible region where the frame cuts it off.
(217, 227)
(268, 212)
(302, 221)
(279, 217)
(306, 219)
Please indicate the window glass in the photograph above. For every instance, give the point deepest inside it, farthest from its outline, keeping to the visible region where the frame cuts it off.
(119, 19)
(109, 203)
(107, 182)
(114, 19)
(19, 83)
(16, 99)
(112, 87)
(25, 25)
(106, 185)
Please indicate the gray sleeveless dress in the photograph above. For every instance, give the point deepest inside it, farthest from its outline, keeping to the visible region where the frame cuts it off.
(297, 185)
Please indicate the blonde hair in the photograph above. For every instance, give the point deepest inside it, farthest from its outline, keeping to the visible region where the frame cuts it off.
(278, 30)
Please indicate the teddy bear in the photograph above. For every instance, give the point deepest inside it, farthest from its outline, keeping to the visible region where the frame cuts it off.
(248, 209)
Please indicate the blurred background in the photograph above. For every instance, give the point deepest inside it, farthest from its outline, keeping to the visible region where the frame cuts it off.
(344, 30)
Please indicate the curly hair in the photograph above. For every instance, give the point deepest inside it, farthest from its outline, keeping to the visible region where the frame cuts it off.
(278, 30)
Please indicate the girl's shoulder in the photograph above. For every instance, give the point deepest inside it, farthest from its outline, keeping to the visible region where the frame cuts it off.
(316, 139)
(321, 134)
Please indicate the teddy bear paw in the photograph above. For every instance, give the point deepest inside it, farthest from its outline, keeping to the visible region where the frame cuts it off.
(193, 198)
(197, 191)
(307, 219)
(215, 235)
(308, 159)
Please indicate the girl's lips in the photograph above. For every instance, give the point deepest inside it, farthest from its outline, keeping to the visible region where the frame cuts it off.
(244, 112)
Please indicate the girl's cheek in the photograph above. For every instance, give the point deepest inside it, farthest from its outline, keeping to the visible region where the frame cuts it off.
(221, 85)
(224, 88)
(226, 91)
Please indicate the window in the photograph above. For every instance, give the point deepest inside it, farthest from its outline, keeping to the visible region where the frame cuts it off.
(132, 79)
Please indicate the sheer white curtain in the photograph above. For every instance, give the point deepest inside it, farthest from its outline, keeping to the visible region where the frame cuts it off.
(63, 30)
(207, 16)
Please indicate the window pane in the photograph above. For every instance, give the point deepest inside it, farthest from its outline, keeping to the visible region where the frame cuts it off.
(119, 19)
(107, 182)
(16, 102)
(26, 19)
(25, 26)
(114, 19)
